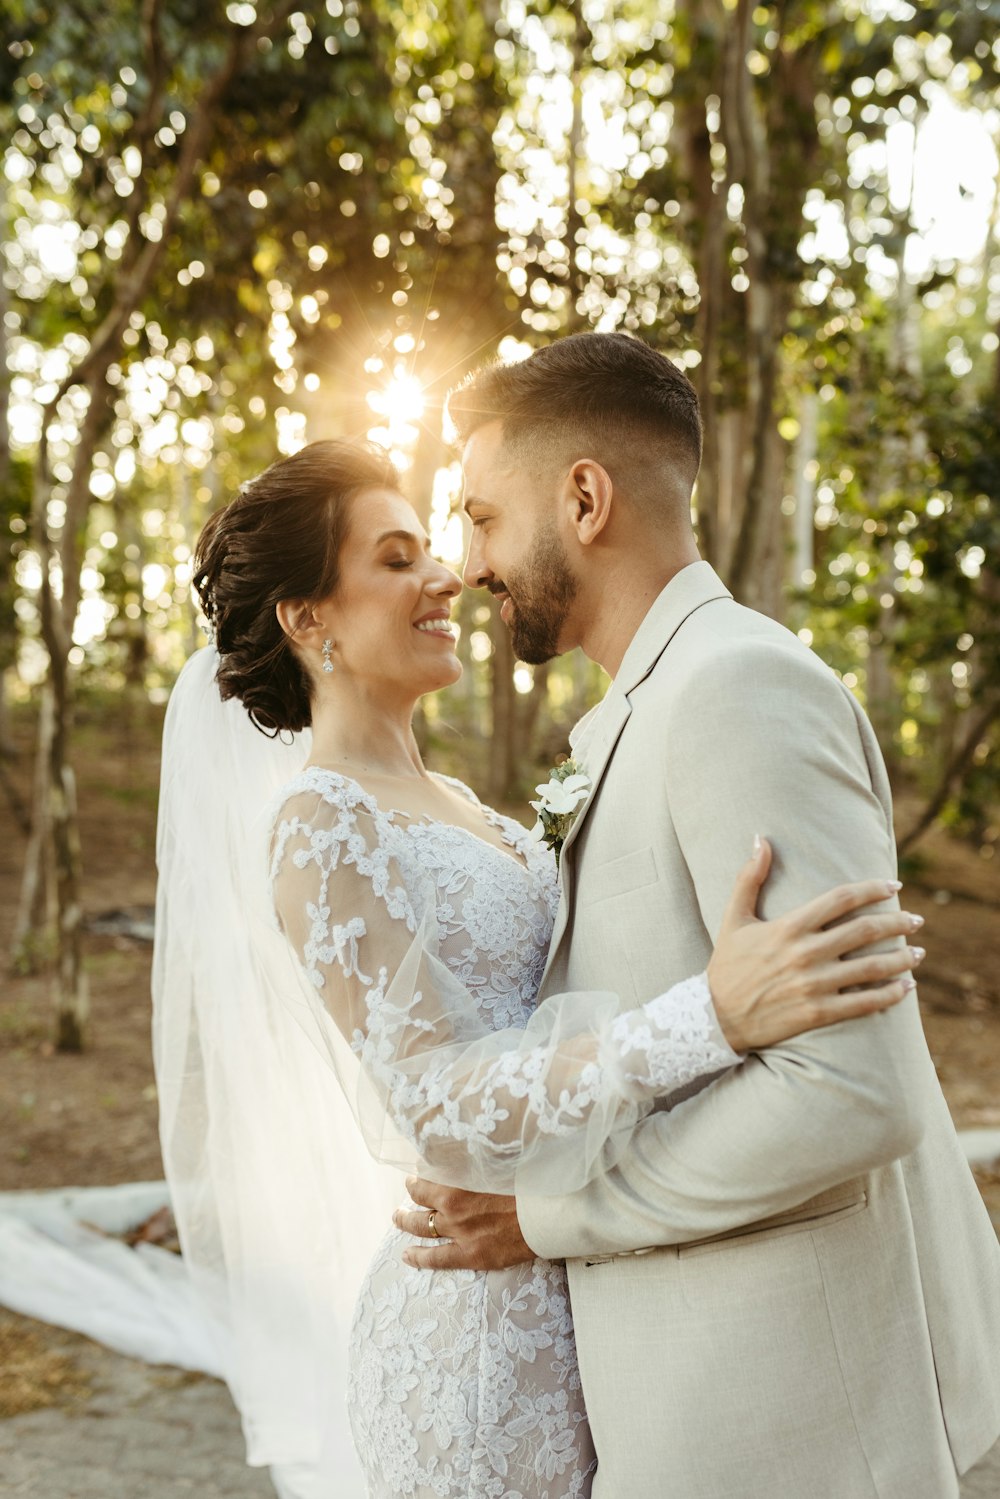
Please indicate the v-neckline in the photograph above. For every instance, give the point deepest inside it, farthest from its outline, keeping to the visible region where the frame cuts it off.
(427, 819)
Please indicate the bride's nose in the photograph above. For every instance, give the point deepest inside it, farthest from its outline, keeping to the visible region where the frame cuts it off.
(446, 585)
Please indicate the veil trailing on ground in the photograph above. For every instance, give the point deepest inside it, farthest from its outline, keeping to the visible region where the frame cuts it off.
(278, 1203)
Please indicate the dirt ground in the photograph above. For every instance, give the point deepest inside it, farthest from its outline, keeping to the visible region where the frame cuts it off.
(80, 1422)
(87, 1119)
(91, 1119)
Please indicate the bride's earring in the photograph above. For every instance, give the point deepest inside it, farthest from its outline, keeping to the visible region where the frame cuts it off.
(327, 648)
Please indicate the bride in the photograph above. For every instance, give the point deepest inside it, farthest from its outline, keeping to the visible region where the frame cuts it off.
(405, 926)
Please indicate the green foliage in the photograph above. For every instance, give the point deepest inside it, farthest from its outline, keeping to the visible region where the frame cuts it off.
(389, 191)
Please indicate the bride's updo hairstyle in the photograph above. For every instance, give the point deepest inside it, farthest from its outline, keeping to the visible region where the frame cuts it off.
(280, 538)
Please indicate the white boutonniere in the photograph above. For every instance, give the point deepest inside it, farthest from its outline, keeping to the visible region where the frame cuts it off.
(559, 800)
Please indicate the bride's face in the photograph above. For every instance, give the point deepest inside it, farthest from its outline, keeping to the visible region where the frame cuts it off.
(389, 616)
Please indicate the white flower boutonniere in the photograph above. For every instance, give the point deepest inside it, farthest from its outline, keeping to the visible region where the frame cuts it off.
(559, 800)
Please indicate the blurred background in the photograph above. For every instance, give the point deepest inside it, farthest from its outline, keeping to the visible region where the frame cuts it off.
(231, 229)
(227, 230)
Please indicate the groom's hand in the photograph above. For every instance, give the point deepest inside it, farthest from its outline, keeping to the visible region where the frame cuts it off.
(483, 1230)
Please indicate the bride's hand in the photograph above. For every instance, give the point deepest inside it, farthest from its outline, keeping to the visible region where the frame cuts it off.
(774, 979)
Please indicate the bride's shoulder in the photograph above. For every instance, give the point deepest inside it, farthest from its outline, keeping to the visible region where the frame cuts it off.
(462, 789)
(319, 817)
(318, 785)
(489, 813)
(320, 802)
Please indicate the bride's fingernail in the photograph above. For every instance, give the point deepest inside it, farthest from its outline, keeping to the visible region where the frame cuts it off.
(756, 845)
(918, 954)
(916, 922)
(893, 886)
(909, 982)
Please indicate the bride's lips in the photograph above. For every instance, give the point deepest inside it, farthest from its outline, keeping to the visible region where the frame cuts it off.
(441, 626)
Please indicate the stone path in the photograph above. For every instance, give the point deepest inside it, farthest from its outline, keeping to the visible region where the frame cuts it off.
(144, 1433)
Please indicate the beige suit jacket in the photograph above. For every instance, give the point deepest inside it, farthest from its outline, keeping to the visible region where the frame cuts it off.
(789, 1287)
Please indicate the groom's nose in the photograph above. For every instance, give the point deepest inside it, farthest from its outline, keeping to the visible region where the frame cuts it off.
(475, 574)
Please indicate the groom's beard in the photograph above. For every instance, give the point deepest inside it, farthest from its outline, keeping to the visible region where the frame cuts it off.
(541, 592)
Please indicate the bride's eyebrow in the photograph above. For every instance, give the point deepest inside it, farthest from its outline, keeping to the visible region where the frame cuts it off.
(411, 536)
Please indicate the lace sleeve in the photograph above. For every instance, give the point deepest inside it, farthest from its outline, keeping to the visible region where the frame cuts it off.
(495, 1110)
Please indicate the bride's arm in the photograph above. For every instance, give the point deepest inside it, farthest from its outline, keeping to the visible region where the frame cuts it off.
(483, 1108)
(548, 1106)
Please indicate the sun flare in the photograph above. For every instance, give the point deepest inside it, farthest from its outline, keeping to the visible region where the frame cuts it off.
(400, 403)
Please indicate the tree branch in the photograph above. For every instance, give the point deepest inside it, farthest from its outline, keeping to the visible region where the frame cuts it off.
(145, 125)
(134, 284)
(16, 802)
(953, 771)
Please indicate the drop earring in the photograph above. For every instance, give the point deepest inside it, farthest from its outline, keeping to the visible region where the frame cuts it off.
(327, 648)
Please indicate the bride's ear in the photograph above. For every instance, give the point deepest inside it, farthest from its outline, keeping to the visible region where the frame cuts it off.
(297, 619)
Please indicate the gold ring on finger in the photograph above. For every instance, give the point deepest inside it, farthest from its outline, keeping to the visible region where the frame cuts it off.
(432, 1232)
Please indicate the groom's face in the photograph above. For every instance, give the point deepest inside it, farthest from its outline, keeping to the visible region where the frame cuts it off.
(516, 550)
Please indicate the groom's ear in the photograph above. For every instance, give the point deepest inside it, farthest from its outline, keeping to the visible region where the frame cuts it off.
(590, 495)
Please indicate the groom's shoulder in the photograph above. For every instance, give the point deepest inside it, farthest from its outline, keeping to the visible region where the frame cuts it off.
(725, 643)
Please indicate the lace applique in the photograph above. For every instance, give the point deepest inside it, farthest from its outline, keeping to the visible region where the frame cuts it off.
(466, 1386)
(672, 1040)
(426, 945)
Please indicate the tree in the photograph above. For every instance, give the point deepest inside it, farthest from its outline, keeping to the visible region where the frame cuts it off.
(122, 153)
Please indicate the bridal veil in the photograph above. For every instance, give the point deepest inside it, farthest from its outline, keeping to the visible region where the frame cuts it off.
(279, 1205)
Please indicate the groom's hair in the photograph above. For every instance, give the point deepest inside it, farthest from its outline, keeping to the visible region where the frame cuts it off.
(605, 396)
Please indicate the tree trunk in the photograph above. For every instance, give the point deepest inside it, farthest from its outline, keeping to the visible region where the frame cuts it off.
(747, 146)
(762, 587)
(904, 453)
(190, 529)
(8, 646)
(576, 318)
(72, 996)
(501, 773)
(804, 565)
(31, 935)
(530, 709)
(132, 632)
(8, 749)
(704, 215)
(135, 276)
(58, 616)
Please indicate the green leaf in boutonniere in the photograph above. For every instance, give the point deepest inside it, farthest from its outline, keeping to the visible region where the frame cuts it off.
(559, 800)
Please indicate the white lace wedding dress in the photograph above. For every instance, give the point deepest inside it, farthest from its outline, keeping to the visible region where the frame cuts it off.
(425, 945)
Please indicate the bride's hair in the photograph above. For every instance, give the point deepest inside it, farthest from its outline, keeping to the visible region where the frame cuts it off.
(280, 538)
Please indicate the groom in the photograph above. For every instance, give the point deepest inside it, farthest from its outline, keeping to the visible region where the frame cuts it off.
(788, 1287)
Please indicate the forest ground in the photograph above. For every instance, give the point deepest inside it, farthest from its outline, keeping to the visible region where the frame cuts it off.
(91, 1119)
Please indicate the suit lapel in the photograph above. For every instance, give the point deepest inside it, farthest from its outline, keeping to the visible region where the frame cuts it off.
(607, 727)
(687, 591)
(597, 750)
(692, 587)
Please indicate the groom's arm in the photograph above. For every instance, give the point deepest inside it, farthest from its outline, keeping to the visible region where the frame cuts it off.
(764, 742)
